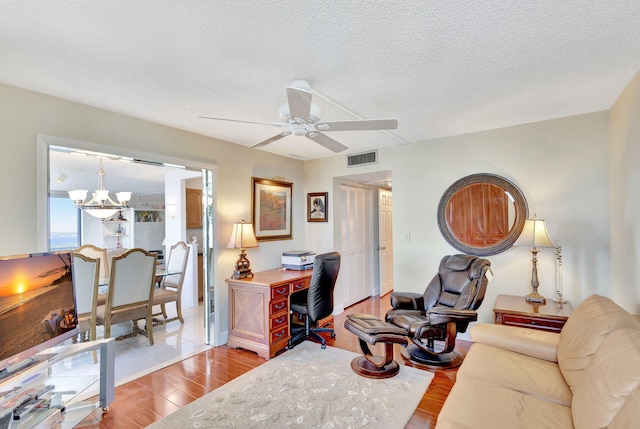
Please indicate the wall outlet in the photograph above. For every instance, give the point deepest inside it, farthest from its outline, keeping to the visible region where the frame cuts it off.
(407, 237)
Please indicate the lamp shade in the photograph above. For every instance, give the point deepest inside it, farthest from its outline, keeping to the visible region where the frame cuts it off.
(534, 234)
(242, 236)
(101, 213)
(78, 194)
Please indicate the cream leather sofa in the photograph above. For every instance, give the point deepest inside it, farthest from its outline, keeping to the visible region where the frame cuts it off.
(587, 376)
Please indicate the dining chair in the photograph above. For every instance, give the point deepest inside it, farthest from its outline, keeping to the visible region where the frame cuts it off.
(86, 275)
(95, 252)
(130, 293)
(100, 253)
(170, 289)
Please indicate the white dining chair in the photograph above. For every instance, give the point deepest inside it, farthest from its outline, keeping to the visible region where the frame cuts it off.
(170, 289)
(100, 253)
(96, 252)
(130, 292)
(86, 275)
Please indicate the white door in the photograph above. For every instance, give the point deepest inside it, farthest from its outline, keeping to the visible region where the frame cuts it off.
(356, 248)
(385, 245)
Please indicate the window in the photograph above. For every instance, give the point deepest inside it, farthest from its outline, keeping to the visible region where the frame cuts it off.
(64, 225)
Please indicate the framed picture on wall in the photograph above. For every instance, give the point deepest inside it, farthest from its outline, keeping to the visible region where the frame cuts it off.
(271, 209)
(317, 207)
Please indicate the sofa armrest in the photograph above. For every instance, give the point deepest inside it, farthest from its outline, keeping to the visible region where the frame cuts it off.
(539, 344)
(407, 301)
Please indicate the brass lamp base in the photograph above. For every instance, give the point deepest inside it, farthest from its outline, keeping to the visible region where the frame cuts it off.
(241, 274)
(243, 265)
(535, 297)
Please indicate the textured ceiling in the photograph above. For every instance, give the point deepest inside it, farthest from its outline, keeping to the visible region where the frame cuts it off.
(440, 67)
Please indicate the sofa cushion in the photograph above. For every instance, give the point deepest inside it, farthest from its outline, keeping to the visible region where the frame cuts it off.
(627, 417)
(611, 376)
(474, 403)
(525, 374)
(588, 325)
(539, 344)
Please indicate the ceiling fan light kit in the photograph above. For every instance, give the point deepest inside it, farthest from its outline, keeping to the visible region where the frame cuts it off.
(301, 116)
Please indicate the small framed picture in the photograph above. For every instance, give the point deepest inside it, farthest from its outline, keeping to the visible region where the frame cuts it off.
(317, 207)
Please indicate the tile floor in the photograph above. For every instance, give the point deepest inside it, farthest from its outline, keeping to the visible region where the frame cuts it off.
(173, 342)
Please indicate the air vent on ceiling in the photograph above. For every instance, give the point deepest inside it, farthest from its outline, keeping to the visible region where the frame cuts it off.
(362, 158)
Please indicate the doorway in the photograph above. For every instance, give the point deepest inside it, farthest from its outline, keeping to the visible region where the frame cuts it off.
(364, 226)
(180, 171)
(385, 240)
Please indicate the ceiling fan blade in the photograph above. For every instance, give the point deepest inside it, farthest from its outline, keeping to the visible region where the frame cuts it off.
(326, 141)
(276, 124)
(357, 125)
(272, 139)
(299, 103)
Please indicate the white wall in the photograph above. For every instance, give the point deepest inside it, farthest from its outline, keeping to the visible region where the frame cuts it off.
(560, 165)
(25, 114)
(624, 169)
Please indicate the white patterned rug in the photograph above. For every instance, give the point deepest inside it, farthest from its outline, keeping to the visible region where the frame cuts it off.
(306, 387)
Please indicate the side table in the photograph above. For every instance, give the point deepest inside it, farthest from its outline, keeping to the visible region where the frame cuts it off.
(516, 311)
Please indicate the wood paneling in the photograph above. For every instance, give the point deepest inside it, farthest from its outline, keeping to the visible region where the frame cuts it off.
(193, 208)
(478, 214)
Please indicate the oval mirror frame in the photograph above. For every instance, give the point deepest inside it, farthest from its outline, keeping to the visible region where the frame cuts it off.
(520, 206)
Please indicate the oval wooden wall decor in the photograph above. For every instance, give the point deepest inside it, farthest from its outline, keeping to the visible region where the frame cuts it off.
(482, 214)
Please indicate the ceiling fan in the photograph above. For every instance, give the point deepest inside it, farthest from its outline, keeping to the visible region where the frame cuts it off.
(301, 117)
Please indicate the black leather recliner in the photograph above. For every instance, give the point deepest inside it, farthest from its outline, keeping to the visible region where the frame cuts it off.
(445, 308)
(316, 302)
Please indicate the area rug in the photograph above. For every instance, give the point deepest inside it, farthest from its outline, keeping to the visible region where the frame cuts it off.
(306, 387)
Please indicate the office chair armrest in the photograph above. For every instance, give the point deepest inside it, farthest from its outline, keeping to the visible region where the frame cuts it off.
(439, 315)
(407, 301)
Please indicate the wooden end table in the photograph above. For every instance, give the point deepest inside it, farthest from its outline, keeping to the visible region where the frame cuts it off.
(516, 311)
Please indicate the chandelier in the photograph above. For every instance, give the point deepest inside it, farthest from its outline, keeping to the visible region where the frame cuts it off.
(100, 205)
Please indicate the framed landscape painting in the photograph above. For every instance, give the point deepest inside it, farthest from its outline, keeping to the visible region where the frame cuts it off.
(317, 207)
(272, 209)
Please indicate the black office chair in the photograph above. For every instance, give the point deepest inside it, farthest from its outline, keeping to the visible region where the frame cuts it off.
(316, 302)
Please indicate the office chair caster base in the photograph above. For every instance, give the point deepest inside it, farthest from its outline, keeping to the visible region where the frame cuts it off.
(361, 366)
(422, 358)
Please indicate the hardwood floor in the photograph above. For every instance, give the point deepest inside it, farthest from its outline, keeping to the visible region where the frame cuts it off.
(156, 395)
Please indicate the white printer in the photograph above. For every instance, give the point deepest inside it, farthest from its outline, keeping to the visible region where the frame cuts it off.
(298, 260)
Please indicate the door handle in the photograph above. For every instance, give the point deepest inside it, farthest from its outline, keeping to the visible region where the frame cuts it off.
(381, 248)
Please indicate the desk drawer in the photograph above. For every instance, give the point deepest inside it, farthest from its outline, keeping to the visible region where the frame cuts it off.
(279, 334)
(300, 284)
(278, 321)
(279, 306)
(552, 325)
(280, 291)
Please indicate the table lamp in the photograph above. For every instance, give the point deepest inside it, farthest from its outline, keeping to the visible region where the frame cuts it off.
(242, 237)
(534, 235)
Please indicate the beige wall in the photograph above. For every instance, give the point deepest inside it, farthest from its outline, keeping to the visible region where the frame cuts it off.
(624, 167)
(574, 172)
(560, 165)
(25, 114)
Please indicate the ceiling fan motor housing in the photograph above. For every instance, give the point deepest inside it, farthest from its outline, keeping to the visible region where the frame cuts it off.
(299, 129)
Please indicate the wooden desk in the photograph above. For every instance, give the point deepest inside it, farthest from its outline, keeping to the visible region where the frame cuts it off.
(259, 310)
(515, 311)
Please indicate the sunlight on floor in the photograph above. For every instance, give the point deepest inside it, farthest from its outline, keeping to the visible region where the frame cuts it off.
(134, 356)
